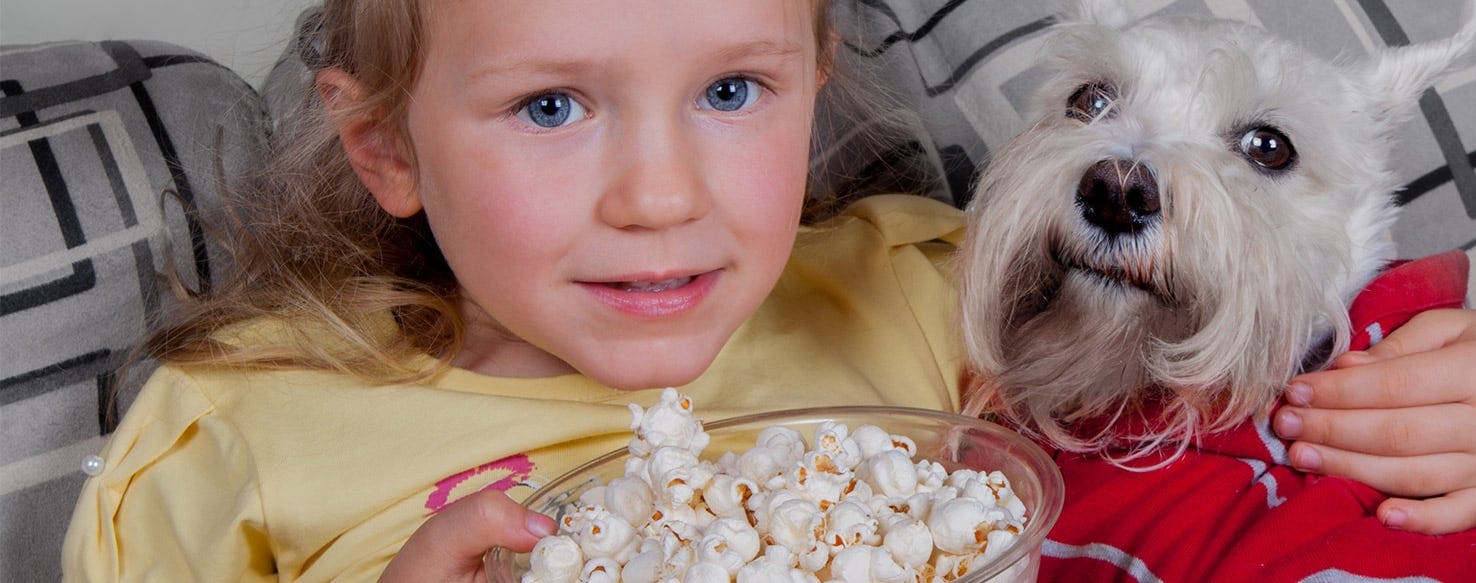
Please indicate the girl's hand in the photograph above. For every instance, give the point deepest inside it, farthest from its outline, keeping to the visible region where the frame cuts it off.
(450, 545)
(1400, 417)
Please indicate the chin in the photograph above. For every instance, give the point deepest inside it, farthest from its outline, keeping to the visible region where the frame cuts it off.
(649, 369)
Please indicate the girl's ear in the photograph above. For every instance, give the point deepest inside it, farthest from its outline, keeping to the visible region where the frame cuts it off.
(372, 148)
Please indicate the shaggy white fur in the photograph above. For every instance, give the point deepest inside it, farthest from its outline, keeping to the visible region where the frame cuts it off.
(1181, 229)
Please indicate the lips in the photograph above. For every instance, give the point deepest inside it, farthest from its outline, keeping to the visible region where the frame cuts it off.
(654, 297)
(1140, 275)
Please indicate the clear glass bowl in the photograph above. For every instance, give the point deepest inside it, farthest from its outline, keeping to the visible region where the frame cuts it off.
(953, 440)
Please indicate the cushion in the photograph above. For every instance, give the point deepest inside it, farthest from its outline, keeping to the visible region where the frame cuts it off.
(968, 68)
(110, 153)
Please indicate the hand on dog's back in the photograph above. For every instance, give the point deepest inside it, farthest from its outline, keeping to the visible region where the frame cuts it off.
(1399, 417)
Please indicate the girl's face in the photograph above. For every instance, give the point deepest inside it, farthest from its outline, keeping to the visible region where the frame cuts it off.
(616, 185)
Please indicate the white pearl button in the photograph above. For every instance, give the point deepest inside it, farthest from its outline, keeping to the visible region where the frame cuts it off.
(92, 465)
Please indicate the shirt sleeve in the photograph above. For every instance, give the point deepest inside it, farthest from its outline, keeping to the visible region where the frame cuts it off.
(177, 499)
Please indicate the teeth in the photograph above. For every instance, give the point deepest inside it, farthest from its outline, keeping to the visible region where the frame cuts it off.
(652, 286)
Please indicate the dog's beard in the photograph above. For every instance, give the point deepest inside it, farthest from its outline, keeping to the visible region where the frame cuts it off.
(1199, 322)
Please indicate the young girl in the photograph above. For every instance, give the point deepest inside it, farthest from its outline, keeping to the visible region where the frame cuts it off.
(512, 220)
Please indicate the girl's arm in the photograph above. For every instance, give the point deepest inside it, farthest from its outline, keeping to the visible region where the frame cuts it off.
(450, 545)
(1400, 417)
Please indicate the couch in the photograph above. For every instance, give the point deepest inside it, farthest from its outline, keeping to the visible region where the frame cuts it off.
(114, 157)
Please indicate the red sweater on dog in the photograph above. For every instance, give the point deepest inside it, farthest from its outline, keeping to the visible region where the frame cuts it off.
(1231, 509)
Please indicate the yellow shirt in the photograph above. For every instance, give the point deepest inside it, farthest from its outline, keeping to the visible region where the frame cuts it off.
(225, 475)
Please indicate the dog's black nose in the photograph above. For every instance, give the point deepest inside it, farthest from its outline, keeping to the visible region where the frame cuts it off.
(1118, 196)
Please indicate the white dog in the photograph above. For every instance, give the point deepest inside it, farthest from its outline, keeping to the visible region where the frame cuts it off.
(1183, 226)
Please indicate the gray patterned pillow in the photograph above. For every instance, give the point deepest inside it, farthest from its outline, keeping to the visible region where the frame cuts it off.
(107, 150)
(967, 67)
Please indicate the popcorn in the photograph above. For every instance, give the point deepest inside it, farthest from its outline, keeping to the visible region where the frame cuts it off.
(556, 559)
(675, 475)
(626, 496)
(787, 442)
(886, 569)
(998, 542)
(920, 505)
(814, 559)
(647, 566)
(931, 475)
(667, 423)
(679, 518)
(776, 449)
(763, 504)
(820, 479)
(909, 542)
(962, 525)
(796, 524)
(951, 567)
(601, 533)
(727, 495)
(774, 567)
(864, 564)
(704, 572)
(871, 440)
(831, 437)
(850, 523)
(677, 534)
(1004, 495)
(855, 507)
(600, 570)
(663, 557)
(729, 542)
(891, 473)
(852, 565)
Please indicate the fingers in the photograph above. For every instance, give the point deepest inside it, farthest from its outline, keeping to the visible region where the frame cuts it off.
(1443, 375)
(1397, 417)
(1386, 432)
(1452, 512)
(1414, 476)
(1424, 332)
(450, 545)
(1427, 331)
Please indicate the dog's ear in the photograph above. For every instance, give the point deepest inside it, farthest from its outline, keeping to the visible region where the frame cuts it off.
(1396, 77)
(1108, 13)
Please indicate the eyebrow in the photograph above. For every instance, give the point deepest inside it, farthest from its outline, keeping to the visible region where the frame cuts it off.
(532, 66)
(757, 49)
(737, 52)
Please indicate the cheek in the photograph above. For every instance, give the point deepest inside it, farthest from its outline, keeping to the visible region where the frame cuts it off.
(768, 186)
(486, 232)
(496, 200)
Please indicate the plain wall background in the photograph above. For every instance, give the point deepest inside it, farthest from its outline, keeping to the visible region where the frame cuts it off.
(245, 35)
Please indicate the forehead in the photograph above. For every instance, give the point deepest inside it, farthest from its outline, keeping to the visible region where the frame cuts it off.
(609, 31)
(1227, 68)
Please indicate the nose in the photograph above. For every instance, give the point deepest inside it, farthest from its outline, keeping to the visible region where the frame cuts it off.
(1118, 196)
(659, 182)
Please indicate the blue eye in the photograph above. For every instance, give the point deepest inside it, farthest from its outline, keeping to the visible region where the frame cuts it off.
(552, 110)
(731, 94)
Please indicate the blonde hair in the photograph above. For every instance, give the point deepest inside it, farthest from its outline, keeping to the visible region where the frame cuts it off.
(315, 255)
(313, 251)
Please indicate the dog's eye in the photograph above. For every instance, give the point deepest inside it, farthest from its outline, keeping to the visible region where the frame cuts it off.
(1090, 101)
(1268, 148)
